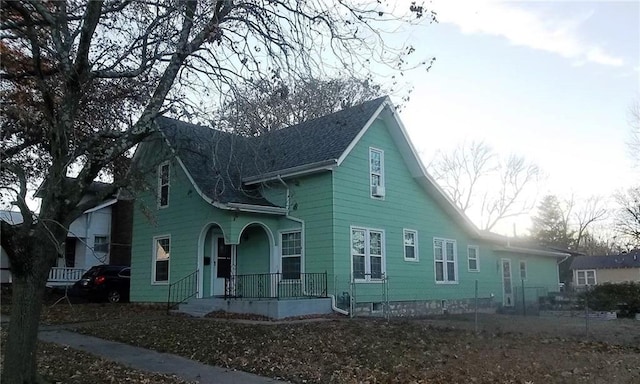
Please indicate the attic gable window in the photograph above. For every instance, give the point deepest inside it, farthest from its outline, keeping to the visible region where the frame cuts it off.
(376, 170)
(163, 185)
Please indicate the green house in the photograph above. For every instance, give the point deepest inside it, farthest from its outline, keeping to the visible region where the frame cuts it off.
(334, 214)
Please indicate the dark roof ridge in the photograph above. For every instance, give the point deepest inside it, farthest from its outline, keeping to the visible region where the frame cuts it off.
(327, 116)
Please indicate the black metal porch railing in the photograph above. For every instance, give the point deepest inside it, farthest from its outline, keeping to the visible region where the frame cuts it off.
(274, 286)
(182, 290)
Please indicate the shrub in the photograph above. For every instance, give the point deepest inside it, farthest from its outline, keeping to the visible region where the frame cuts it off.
(623, 297)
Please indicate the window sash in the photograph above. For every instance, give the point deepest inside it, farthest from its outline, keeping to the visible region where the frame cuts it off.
(291, 254)
(162, 255)
(445, 261)
(472, 258)
(523, 270)
(367, 254)
(163, 185)
(101, 244)
(586, 277)
(410, 244)
(376, 168)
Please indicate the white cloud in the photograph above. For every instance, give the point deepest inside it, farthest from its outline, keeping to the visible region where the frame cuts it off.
(523, 27)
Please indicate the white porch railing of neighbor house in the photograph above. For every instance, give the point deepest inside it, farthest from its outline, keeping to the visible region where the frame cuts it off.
(61, 276)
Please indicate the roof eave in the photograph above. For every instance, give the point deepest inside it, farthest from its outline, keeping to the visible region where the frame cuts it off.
(530, 251)
(254, 208)
(306, 169)
(102, 205)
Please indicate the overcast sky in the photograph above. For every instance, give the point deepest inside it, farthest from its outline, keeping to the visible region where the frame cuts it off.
(551, 81)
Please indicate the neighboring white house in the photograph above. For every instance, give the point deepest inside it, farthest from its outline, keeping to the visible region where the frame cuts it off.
(5, 266)
(88, 244)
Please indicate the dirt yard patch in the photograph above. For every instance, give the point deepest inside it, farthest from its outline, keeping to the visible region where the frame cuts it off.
(442, 350)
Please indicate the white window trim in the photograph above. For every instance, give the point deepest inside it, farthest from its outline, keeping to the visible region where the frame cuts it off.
(382, 178)
(415, 245)
(283, 232)
(367, 254)
(159, 191)
(477, 258)
(586, 280)
(526, 270)
(153, 260)
(444, 255)
(108, 243)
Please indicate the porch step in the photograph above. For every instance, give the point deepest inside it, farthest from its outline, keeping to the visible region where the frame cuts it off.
(200, 307)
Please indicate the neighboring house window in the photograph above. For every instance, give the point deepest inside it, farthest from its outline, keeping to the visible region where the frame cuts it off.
(376, 166)
(101, 244)
(523, 270)
(472, 258)
(445, 257)
(161, 255)
(163, 185)
(291, 255)
(367, 253)
(586, 277)
(410, 245)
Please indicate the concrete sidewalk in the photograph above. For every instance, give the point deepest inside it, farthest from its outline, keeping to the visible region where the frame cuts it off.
(150, 361)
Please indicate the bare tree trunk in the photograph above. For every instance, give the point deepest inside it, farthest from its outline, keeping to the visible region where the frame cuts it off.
(20, 365)
(29, 284)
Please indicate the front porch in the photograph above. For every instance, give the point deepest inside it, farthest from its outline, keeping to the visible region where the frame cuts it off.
(64, 276)
(273, 295)
(272, 308)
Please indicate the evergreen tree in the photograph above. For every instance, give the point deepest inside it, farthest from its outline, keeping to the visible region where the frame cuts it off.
(550, 225)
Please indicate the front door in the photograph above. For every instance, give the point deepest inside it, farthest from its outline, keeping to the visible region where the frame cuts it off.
(222, 265)
(507, 288)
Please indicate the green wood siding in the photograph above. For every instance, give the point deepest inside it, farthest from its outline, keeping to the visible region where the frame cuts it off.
(406, 205)
(311, 200)
(253, 252)
(190, 220)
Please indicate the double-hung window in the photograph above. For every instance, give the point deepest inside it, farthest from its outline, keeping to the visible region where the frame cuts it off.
(472, 258)
(367, 254)
(163, 185)
(410, 245)
(523, 270)
(291, 255)
(586, 277)
(101, 244)
(445, 259)
(376, 170)
(161, 254)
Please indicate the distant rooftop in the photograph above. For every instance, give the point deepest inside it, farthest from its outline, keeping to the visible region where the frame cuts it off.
(623, 260)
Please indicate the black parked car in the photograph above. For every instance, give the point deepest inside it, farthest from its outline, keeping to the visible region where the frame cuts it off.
(105, 282)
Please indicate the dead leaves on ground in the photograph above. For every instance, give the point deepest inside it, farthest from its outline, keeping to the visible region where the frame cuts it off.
(61, 364)
(372, 351)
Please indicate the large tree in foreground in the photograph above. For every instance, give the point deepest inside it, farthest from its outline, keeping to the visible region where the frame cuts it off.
(79, 61)
(254, 110)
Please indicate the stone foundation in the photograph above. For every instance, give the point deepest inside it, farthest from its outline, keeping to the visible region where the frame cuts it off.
(415, 308)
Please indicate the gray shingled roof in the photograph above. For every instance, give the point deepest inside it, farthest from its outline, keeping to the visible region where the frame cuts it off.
(625, 260)
(218, 161)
